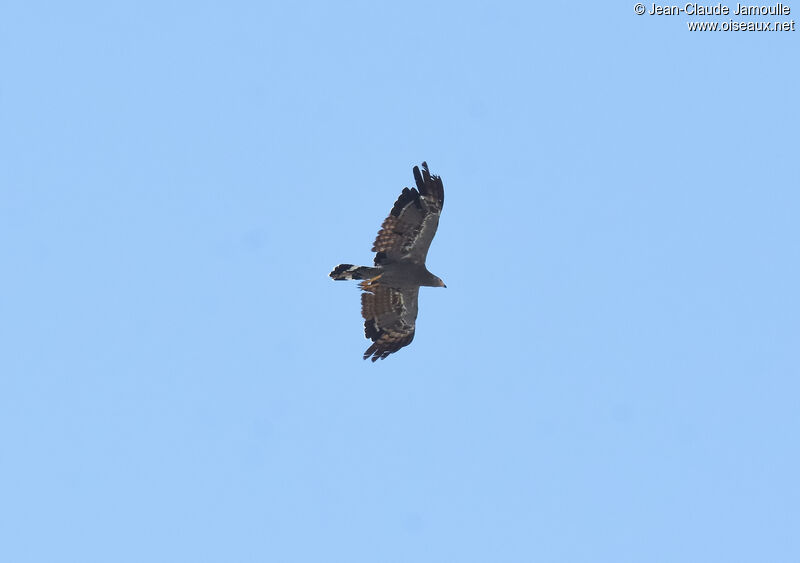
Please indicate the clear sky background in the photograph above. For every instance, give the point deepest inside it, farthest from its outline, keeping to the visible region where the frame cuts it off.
(612, 374)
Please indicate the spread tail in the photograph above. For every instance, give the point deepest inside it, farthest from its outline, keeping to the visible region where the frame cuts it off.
(350, 272)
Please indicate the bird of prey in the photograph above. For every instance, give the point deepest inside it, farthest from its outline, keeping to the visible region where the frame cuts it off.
(391, 286)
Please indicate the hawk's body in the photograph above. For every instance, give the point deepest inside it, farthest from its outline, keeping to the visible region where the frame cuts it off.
(391, 286)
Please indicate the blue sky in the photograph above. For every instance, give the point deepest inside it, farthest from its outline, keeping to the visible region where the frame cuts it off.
(610, 376)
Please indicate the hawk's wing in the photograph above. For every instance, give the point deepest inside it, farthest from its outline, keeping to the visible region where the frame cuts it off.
(390, 315)
(407, 232)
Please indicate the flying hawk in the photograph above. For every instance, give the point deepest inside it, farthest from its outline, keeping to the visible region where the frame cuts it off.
(391, 287)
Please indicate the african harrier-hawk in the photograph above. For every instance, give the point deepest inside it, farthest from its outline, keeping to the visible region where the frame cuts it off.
(391, 287)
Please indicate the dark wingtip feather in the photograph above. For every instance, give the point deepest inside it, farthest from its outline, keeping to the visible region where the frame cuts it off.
(429, 185)
(426, 175)
(406, 196)
(418, 179)
(384, 343)
(372, 351)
